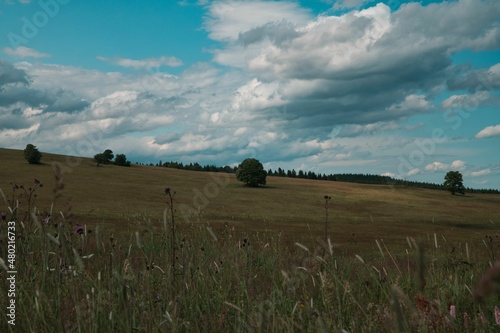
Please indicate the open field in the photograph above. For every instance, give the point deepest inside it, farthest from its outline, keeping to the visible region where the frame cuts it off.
(358, 214)
(249, 260)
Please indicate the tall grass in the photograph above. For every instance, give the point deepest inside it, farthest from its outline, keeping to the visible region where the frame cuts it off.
(101, 278)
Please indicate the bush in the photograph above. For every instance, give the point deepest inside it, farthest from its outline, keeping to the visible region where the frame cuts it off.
(105, 157)
(32, 155)
(121, 159)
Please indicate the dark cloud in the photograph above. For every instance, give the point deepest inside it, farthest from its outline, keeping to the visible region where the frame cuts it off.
(479, 80)
(24, 94)
(167, 138)
(66, 101)
(12, 119)
(9, 74)
(15, 87)
(276, 32)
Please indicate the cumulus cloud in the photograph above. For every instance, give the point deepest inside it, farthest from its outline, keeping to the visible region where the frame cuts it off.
(488, 132)
(363, 67)
(24, 52)
(143, 63)
(439, 166)
(436, 166)
(226, 20)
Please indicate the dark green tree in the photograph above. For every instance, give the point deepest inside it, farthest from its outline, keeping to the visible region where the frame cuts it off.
(121, 159)
(453, 182)
(251, 172)
(32, 155)
(104, 158)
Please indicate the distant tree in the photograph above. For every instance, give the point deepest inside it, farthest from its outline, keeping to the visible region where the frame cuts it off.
(104, 158)
(32, 155)
(121, 159)
(251, 172)
(453, 182)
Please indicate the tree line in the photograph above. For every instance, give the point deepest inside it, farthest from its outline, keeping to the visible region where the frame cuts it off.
(361, 178)
(453, 181)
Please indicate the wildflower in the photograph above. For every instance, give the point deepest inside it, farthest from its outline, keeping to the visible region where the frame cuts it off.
(167, 190)
(79, 230)
(453, 311)
(4, 215)
(497, 315)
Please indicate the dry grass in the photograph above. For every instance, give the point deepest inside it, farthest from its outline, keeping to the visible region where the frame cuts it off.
(358, 214)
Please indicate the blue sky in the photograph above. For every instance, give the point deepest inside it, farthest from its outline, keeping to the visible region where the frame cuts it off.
(407, 89)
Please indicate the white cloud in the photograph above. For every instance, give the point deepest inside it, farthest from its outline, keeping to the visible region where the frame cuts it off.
(413, 127)
(24, 52)
(488, 132)
(144, 63)
(389, 174)
(457, 165)
(369, 129)
(468, 102)
(413, 172)
(438, 166)
(226, 20)
(327, 46)
(18, 135)
(480, 173)
(256, 95)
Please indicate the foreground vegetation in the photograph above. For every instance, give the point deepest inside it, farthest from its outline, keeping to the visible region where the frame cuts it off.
(76, 279)
(379, 270)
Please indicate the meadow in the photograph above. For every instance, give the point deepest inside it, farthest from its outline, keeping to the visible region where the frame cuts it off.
(96, 252)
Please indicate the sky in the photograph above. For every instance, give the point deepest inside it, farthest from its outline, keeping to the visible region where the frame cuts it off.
(398, 88)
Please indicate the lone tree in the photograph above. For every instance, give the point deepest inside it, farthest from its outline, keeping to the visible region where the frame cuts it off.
(453, 182)
(251, 172)
(105, 157)
(32, 155)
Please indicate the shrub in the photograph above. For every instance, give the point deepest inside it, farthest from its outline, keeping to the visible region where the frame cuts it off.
(32, 155)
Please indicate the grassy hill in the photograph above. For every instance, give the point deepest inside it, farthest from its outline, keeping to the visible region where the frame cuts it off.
(121, 197)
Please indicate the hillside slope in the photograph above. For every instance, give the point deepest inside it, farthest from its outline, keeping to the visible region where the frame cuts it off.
(358, 213)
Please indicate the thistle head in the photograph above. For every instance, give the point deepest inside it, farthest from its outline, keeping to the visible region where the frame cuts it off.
(79, 230)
